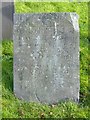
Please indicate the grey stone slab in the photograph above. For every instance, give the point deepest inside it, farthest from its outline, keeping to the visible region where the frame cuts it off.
(46, 57)
(7, 20)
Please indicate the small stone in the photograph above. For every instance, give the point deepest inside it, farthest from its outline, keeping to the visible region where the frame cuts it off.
(51, 113)
(42, 115)
(53, 105)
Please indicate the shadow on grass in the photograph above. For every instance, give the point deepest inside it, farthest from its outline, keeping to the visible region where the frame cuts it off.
(7, 64)
(7, 72)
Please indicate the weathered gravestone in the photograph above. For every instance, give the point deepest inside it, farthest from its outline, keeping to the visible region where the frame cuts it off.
(46, 57)
(7, 20)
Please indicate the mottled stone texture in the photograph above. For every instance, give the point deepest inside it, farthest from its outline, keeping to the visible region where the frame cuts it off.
(7, 20)
(46, 57)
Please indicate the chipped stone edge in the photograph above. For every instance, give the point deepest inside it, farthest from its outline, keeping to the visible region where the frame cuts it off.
(72, 18)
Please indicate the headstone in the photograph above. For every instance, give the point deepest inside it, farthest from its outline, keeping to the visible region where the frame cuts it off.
(46, 57)
(7, 20)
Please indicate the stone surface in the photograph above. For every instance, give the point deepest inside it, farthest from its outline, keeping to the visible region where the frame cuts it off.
(7, 20)
(46, 57)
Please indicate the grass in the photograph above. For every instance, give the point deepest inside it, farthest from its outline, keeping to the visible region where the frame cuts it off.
(15, 108)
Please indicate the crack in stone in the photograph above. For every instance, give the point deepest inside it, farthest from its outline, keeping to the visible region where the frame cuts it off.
(37, 97)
